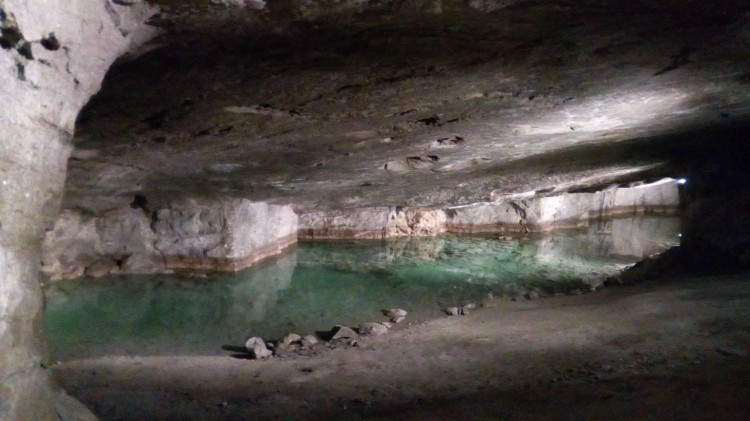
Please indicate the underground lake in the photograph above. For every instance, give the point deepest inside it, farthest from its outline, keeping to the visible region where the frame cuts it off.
(317, 285)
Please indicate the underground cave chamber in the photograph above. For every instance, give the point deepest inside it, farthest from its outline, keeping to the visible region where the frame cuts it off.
(251, 168)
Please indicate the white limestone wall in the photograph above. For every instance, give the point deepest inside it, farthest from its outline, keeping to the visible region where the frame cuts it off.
(531, 214)
(41, 92)
(217, 234)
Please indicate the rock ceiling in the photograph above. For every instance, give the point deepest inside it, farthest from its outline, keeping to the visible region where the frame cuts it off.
(394, 105)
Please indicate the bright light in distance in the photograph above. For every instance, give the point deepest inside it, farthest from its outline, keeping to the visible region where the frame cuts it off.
(682, 181)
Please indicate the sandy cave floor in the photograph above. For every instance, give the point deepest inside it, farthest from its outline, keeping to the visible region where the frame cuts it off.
(672, 349)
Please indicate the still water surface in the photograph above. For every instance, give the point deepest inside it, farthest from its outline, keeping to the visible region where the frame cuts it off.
(315, 286)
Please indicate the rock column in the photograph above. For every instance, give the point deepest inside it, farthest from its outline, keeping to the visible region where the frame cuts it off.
(53, 56)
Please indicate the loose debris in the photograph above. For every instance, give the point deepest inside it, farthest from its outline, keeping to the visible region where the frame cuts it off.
(460, 311)
(294, 344)
(257, 348)
(396, 315)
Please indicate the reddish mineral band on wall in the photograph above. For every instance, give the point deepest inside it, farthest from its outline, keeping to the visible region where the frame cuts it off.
(229, 264)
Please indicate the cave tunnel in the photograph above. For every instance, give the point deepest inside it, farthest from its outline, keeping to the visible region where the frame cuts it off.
(409, 209)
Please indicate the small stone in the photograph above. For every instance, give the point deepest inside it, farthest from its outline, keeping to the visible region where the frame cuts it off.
(398, 319)
(343, 332)
(395, 312)
(290, 339)
(257, 348)
(453, 311)
(309, 340)
(373, 329)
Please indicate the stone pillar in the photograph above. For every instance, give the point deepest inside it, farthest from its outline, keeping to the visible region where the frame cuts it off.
(53, 56)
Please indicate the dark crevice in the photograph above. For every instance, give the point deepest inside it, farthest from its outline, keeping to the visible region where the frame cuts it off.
(51, 42)
(10, 35)
(139, 202)
(21, 72)
(24, 49)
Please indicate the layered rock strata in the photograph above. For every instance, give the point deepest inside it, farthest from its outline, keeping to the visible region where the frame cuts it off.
(522, 214)
(203, 234)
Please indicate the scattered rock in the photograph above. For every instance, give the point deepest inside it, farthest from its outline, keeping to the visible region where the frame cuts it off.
(373, 329)
(257, 348)
(309, 341)
(291, 343)
(459, 311)
(343, 332)
(467, 308)
(396, 315)
(290, 339)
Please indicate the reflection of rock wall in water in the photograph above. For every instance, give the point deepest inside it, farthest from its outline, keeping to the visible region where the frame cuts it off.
(257, 290)
(370, 254)
(485, 257)
(143, 315)
(634, 237)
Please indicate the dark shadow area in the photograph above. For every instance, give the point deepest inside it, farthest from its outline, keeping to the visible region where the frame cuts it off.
(412, 45)
(558, 385)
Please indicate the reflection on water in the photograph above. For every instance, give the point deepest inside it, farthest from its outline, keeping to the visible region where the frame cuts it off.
(318, 285)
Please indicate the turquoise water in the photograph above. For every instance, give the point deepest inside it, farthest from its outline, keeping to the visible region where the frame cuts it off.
(315, 286)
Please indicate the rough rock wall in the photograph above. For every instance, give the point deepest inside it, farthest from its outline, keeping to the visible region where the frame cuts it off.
(217, 234)
(53, 56)
(568, 210)
(531, 214)
(373, 223)
(228, 234)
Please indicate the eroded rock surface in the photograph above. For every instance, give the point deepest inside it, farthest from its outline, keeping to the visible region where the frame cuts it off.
(53, 56)
(219, 234)
(527, 213)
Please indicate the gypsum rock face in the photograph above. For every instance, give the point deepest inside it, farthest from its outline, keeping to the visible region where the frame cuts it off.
(56, 60)
(532, 214)
(228, 234)
(569, 210)
(381, 222)
(215, 234)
